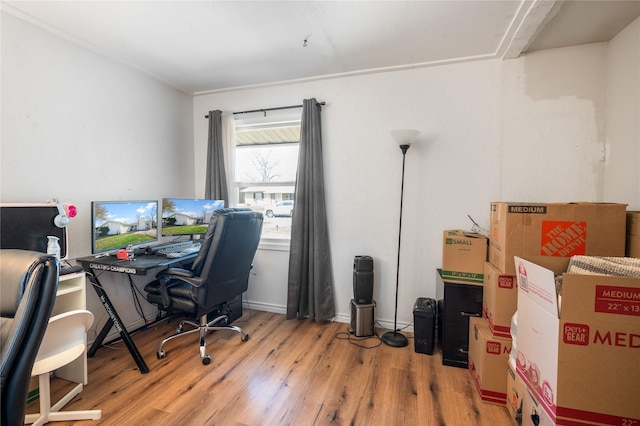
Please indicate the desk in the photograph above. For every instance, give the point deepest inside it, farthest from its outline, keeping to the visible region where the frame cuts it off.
(140, 265)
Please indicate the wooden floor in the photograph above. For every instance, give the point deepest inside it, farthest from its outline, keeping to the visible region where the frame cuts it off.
(294, 372)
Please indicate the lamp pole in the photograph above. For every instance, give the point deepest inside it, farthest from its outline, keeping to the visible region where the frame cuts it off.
(395, 338)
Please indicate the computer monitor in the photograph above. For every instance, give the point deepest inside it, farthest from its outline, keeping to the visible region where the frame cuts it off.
(182, 216)
(26, 226)
(121, 224)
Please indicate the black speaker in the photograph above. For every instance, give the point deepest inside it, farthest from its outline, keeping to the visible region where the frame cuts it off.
(363, 280)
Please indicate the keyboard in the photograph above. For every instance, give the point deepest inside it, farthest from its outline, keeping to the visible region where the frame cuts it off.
(183, 253)
(178, 247)
(66, 270)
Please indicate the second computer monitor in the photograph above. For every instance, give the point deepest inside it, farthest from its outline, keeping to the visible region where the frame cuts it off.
(183, 216)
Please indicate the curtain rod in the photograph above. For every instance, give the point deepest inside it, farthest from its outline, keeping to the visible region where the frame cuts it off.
(264, 110)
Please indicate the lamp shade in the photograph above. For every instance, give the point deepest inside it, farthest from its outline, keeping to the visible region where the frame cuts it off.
(405, 136)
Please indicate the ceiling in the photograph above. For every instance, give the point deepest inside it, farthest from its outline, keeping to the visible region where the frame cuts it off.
(208, 46)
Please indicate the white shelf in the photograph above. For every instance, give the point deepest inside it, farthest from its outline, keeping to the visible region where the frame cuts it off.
(71, 295)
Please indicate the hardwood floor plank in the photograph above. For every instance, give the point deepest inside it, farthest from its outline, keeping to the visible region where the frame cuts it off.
(293, 372)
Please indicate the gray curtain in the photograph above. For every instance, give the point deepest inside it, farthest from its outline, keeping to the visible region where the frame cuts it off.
(216, 184)
(310, 290)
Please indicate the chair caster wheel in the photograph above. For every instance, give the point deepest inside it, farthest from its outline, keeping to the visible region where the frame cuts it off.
(244, 337)
(206, 360)
(161, 354)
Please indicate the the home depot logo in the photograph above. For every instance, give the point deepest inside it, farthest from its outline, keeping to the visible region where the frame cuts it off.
(563, 239)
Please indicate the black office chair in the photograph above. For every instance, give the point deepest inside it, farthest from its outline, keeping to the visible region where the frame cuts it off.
(220, 274)
(28, 285)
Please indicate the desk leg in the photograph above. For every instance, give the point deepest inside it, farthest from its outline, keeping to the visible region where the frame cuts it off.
(114, 320)
(100, 338)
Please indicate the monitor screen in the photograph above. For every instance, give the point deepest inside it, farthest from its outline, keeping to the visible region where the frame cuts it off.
(120, 224)
(181, 216)
(26, 226)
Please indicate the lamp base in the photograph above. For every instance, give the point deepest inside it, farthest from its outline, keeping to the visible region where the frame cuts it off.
(393, 338)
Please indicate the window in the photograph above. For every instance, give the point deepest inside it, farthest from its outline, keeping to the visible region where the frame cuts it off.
(266, 162)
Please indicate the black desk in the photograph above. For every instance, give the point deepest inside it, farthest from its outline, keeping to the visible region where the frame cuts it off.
(137, 266)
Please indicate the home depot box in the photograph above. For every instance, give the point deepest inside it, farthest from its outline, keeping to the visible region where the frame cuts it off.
(488, 356)
(633, 234)
(515, 392)
(549, 234)
(463, 257)
(499, 300)
(580, 358)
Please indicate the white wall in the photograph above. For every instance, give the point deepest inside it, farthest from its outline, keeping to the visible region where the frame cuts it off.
(449, 171)
(553, 130)
(622, 174)
(81, 127)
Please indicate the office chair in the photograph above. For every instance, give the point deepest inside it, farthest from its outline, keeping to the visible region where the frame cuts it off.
(219, 274)
(63, 342)
(28, 285)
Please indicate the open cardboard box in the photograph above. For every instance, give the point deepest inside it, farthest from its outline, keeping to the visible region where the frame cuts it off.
(549, 234)
(580, 357)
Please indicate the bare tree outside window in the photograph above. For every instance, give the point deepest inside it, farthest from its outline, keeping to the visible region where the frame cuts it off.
(265, 167)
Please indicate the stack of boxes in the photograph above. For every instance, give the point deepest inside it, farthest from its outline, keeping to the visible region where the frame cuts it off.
(577, 362)
(576, 357)
(459, 288)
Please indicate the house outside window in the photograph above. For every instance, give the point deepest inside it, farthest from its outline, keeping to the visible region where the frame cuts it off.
(265, 165)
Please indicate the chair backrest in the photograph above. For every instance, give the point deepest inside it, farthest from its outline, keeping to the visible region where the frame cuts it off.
(63, 341)
(28, 285)
(225, 258)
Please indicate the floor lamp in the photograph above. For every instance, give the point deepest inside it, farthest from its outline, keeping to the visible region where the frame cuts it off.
(404, 139)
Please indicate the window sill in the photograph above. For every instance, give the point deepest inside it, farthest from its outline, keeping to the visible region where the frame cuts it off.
(274, 244)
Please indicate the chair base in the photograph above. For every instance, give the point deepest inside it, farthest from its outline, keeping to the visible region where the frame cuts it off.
(203, 328)
(49, 413)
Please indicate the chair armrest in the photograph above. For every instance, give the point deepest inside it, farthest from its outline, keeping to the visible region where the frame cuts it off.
(174, 276)
(175, 273)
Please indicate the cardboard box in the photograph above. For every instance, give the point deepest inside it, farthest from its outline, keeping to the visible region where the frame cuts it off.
(549, 234)
(581, 362)
(488, 357)
(515, 393)
(633, 234)
(463, 257)
(499, 301)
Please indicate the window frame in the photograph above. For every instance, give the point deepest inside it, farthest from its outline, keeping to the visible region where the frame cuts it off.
(275, 119)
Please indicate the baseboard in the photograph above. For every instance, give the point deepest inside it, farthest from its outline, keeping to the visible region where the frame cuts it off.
(270, 307)
(265, 307)
(340, 317)
(135, 326)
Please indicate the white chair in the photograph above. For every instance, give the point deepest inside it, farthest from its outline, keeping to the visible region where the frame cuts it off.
(64, 341)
